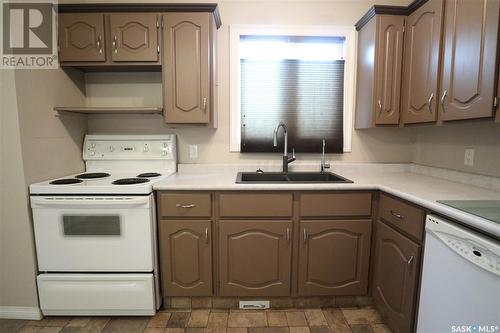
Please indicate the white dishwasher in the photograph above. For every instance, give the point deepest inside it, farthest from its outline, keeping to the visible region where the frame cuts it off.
(460, 290)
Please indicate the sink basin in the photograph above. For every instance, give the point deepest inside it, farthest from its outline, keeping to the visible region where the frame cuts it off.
(290, 177)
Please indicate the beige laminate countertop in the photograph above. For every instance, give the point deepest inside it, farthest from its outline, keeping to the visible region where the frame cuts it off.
(420, 189)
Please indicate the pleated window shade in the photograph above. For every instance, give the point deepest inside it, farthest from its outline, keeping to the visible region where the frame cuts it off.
(297, 80)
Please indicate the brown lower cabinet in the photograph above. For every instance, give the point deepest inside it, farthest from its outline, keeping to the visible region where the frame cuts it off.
(397, 266)
(255, 258)
(334, 257)
(186, 257)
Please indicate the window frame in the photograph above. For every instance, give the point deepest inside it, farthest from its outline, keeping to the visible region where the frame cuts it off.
(236, 30)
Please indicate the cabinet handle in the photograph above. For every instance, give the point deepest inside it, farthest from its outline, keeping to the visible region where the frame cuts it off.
(185, 205)
(443, 99)
(114, 44)
(99, 44)
(206, 235)
(288, 234)
(429, 102)
(204, 104)
(409, 262)
(305, 235)
(379, 105)
(396, 215)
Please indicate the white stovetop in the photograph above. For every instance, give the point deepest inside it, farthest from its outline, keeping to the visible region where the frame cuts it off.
(98, 186)
(423, 190)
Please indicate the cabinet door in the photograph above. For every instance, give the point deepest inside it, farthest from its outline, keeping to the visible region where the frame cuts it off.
(81, 37)
(187, 67)
(421, 62)
(396, 277)
(334, 257)
(134, 37)
(186, 257)
(470, 53)
(255, 258)
(388, 68)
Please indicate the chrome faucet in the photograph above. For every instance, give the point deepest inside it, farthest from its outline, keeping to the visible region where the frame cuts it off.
(286, 160)
(324, 165)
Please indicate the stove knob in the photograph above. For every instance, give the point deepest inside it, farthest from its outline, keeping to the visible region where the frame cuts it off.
(92, 153)
(163, 153)
(111, 149)
(146, 148)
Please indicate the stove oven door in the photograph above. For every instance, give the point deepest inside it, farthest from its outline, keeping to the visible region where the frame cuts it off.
(94, 234)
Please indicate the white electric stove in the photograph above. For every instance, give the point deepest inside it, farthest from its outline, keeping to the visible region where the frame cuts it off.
(95, 232)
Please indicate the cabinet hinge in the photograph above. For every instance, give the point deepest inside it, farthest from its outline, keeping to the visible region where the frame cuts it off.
(495, 102)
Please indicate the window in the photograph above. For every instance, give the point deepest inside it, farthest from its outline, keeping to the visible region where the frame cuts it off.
(297, 76)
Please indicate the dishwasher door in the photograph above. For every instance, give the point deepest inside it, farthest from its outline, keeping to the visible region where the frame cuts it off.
(460, 290)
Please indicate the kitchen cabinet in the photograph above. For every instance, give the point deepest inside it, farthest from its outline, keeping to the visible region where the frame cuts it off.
(255, 258)
(187, 74)
(398, 238)
(334, 257)
(108, 39)
(397, 266)
(81, 37)
(265, 243)
(134, 37)
(421, 63)
(470, 55)
(380, 47)
(186, 257)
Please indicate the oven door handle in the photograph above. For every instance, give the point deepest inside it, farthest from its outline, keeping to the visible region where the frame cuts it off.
(100, 202)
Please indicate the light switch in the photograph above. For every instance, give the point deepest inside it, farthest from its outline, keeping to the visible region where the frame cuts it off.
(193, 152)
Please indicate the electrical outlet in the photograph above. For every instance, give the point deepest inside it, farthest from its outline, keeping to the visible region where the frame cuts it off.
(193, 152)
(469, 157)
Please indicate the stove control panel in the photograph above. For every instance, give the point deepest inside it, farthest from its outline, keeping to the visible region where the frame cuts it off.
(129, 147)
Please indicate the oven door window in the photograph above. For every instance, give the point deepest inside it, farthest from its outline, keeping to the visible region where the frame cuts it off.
(91, 225)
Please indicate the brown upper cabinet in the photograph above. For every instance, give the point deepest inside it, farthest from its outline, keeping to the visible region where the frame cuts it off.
(134, 37)
(108, 39)
(380, 47)
(421, 63)
(187, 76)
(469, 58)
(81, 37)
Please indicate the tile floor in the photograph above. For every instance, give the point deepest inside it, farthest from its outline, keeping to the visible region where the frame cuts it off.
(326, 320)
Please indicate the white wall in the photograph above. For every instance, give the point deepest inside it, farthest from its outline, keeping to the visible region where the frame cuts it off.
(444, 146)
(17, 259)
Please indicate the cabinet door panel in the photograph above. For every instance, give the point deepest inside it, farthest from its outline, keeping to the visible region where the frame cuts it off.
(134, 37)
(388, 68)
(187, 67)
(470, 53)
(255, 258)
(334, 257)
(396, 277)
(81, 37)
(421, 63)
(186, 258)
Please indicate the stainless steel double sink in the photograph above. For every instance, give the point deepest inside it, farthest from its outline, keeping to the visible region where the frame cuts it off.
(289, 177)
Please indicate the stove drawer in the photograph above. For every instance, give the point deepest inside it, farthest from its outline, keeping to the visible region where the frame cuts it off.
(96, 294)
